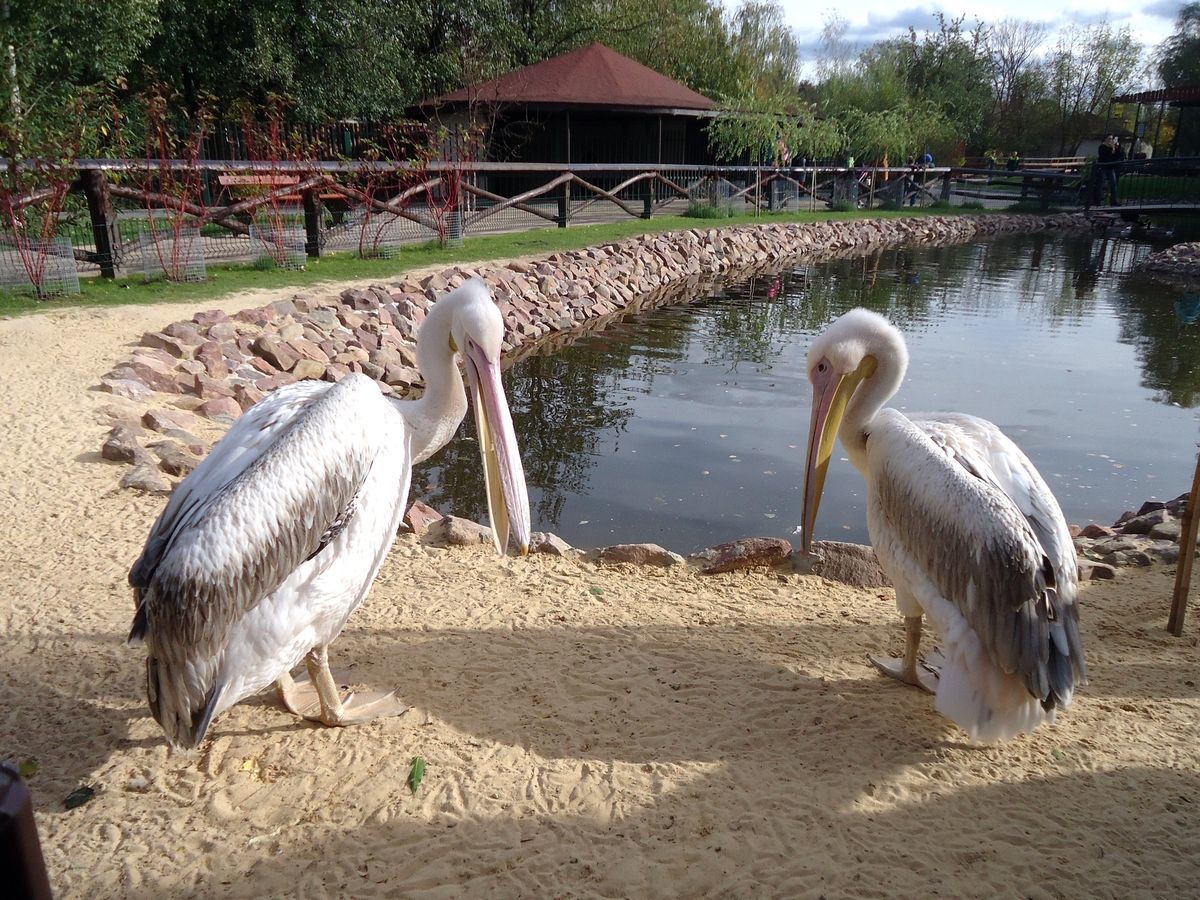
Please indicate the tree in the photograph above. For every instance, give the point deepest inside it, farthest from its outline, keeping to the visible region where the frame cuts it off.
(763, 130)
(59, 53)
(1087, 67)
(1018, 81)
(1179, 55)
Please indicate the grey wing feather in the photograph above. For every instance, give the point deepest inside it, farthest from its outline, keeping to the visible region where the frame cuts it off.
(1005, 569)
(252, 435)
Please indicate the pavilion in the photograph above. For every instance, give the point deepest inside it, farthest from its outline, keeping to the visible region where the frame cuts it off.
(1186, 140)
(591, 105)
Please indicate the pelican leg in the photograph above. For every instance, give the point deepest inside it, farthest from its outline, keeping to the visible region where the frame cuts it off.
(299, 695)
(352, 708)
(907, 668)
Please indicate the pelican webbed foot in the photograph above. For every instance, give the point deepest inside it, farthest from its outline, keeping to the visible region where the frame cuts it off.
(909, 668)
(323, 696)
(919, 675)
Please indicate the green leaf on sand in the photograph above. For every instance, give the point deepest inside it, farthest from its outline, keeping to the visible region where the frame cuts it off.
(598, 591)
(28, 768)
(416, 774)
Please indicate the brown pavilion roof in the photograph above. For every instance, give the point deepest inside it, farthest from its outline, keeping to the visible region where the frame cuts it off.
(1186, 95)
(590, 76)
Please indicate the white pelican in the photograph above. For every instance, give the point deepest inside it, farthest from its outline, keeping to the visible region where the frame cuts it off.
(966, 529)
(266, 549)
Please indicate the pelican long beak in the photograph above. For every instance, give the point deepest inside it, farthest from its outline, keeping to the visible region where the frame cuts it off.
(508, 500)
(831, 394)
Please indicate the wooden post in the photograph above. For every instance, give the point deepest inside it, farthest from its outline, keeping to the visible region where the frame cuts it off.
(104, 219)
(564, 205)
(312, 223)
(946, 187)
(647, 197)
(1187, 552)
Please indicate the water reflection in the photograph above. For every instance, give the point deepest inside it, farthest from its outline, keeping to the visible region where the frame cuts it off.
(685, 424)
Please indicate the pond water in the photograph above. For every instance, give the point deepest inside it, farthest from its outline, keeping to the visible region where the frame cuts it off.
(686, 425)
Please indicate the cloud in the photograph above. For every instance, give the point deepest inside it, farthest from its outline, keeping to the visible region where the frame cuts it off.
(1163, 9)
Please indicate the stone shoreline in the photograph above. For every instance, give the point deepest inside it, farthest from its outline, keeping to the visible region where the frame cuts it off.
(1178, 262)
(184, 385)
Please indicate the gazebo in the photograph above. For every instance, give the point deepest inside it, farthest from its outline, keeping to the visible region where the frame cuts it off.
(591, 105)
(1186, 142)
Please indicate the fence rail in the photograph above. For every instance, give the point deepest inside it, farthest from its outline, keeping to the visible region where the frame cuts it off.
(255, 211)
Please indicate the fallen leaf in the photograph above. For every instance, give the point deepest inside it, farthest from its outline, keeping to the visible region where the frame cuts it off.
(28, 767)
(416, 774)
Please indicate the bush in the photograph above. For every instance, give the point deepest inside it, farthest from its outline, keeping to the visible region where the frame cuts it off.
(702, 209)
(942, 204)
(842, 206)
(972, 204)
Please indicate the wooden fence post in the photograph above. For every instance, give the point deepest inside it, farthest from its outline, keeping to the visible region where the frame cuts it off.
(647, 198)
(312, 223)
(1187, 552)
(946, 187)
(564, 205)
(104, 219)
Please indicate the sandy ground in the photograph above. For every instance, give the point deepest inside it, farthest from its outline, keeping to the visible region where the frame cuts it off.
(588, 732)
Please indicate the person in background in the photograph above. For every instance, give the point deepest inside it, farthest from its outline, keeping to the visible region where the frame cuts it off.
(927, 159)
(1014, 161)
(1142, 149)
(1107, 158)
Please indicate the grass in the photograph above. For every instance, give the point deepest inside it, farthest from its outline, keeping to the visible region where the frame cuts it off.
(225, 279)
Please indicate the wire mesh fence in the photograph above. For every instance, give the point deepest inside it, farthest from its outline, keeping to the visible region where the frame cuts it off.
(41, 268)
(176, 255)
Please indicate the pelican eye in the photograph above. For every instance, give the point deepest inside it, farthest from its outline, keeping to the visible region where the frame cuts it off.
(822, 366)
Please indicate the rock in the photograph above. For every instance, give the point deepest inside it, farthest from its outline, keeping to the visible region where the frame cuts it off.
(1090, 570)
(1178, 506)
(185, 333)
(853, 564)
(162, 419)
(1123, 518)
(1151, 506)
(458, 532)
(639, 555)
(146, 478)
(1167, 531)
(125, 387)
(212, 355)
(159, 341)
(151, 376)
(122, 445)
(403, 375)
(210, 317)
(276, 352)
(175, 459)
(1096, 531)
(189, 440)
(309, 369)
(547, 542)
(206, 388)
(420, 516)
(220, 409)
(742, 554)
(247, 395)
(1143, 523)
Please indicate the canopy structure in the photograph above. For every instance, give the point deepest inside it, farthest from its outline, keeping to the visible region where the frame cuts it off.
(1185, 101)
(591, 105)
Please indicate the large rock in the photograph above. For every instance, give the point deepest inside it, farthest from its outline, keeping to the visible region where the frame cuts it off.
(162, 419)
(420, 516)
(853, 564)
(458, 532)
(125, 387)
(220, 409)
(1091, 570)
(176, 459)
(146, 478)
(746, 553)
(639, 555)
(276, 352)
(547, 542)
(122, 445)
(1142, 524)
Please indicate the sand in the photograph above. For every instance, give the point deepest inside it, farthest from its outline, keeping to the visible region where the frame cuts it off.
(588, 732)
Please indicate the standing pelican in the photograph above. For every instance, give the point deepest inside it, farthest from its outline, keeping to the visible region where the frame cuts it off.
(964, 526)
(265, 550)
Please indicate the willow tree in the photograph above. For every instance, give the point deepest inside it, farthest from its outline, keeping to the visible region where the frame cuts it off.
(771, 130)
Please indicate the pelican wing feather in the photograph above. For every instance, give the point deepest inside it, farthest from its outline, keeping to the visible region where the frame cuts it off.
(994, 555)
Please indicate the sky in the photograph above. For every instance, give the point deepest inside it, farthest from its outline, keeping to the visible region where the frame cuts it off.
(874, 20)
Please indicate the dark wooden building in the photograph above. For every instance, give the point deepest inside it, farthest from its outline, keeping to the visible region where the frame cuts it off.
(591, 105)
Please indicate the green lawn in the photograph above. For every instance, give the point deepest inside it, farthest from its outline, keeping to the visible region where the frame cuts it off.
(224, 279)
